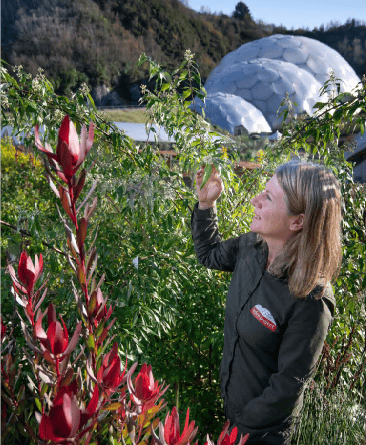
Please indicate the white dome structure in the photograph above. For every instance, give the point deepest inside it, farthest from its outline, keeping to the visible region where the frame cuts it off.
(264, 83)
(263, 71)
(311, 55)
(229, 111)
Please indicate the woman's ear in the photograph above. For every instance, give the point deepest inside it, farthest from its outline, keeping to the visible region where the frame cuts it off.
(297, 222)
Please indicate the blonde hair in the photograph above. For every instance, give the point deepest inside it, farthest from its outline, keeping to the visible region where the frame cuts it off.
(312, 257)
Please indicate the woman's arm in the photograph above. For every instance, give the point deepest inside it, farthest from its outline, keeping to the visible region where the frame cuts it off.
(210, 251)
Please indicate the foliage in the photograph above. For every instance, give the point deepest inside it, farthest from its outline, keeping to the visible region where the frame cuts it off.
(72, 403)
(169, 309)
(241, 10)
(92, 398)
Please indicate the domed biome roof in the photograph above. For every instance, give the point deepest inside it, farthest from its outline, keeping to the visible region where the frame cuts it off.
(263, 71)
(264, 83)
(229, 111)
(311, 55)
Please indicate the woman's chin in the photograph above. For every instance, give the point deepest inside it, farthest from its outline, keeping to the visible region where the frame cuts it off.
(254, 227)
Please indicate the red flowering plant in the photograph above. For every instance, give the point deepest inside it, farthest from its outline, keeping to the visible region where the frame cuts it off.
(79, 389)
(81, 392)
(228, 438)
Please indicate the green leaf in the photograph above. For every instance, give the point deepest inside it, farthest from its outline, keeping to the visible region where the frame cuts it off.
(90, 342)
(92, 303)
(206, 174)
(38, 404)
(113, 406)
(100, 328)
(186, 93)
(183, 74)
(44, 388)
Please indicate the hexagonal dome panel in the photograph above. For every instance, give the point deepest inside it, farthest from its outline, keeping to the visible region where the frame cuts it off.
(311, 55)
(229, 111)
(264, 83)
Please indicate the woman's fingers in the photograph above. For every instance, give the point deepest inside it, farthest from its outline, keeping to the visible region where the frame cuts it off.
(214, 182)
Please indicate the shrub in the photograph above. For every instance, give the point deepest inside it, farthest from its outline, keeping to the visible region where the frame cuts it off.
(69, 393)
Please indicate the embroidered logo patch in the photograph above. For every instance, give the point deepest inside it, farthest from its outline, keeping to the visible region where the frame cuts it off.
(264, 316)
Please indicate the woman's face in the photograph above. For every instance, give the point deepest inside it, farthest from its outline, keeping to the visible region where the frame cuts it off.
(272, 219)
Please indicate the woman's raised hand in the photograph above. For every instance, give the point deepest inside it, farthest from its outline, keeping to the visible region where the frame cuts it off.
(211, 191)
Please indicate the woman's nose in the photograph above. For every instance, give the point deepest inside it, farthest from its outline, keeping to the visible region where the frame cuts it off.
(255, 201)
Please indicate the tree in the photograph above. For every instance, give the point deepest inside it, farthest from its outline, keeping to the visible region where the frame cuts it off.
(241, 11)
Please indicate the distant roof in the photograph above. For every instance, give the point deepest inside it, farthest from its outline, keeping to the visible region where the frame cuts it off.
(137, 132)
(315, 57)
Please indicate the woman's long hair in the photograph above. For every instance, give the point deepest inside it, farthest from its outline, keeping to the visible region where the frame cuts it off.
(313, 255)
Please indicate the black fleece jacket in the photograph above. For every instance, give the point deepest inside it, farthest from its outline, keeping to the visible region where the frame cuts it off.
(272, 340)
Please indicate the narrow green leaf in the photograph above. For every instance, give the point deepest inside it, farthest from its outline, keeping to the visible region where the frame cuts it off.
(100, 328)
(186, 93)
(183, 74)
(113, 406)
(92, 303)
(206, 175)
(44, 388)
(38, 403)
(91, 343)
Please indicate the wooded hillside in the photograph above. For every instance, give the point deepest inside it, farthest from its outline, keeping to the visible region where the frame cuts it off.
(99, 41)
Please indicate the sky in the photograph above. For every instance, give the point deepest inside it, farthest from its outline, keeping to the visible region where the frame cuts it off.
(291, 13)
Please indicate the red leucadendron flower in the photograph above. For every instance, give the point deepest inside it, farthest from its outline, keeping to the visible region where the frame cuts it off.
(55, 343)
(3, 328)
(69, 153)
(65, 418)
(146, 390)
(226, 438)
(172, 434)
(100, 311)
(28, 273)
(109, 375)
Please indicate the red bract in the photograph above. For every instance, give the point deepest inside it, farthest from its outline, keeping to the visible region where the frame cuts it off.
(69, 153)
(172, 434)
(146, 390)
(109, 374)
(3, 328)
(56, 340)
(228, 439)
(100, 311)
(28, 273)
(65, 418)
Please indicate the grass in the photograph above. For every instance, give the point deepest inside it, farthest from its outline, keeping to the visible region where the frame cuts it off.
(338, 418)
(132, 115)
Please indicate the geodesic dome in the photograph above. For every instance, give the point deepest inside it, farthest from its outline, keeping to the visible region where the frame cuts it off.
(264, 84)
(311, 55)
(229, 111)
(263, 71)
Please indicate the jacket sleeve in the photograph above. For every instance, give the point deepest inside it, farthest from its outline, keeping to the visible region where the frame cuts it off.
(210, 250)
(299, 351)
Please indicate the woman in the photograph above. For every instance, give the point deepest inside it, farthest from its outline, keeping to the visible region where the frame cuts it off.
(280, 302)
